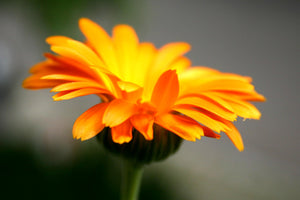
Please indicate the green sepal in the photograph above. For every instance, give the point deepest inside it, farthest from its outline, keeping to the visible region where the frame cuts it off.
(140, 150)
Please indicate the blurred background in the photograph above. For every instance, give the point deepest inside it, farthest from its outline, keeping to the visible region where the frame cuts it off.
(258, 38)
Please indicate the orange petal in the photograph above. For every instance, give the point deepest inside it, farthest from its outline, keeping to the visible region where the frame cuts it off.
(60, 72)
(207, 104)
(182, 126)
(42, 66)
(71, 65)
(65, 77)
(50, 67)
(144, 124)
(217, 100)
(126, 44)
(209, 133)
(246, 96)
(122, 133)
(35, 82)
(203, 118)
(241, 108)
(76, 85)
(245, 109)
(89, 124)
(101, 42)
(227, 85)
(117, 112)
(78, 47)
(165, 91)
(254, 96)
(58, 40)
(87, 52)
(72, 54)
(235, 136)
(70, 94)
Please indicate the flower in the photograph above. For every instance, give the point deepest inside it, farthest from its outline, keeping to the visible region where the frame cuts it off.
(141, 86)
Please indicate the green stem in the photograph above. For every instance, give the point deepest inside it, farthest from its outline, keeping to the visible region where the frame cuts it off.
(131, 180)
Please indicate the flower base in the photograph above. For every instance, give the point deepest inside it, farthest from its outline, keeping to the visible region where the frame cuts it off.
(142, 151)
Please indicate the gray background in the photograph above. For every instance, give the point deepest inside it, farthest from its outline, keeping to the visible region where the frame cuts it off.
(253, 38)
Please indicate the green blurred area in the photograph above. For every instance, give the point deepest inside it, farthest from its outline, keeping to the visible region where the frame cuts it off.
(91, 174)
(58, 16)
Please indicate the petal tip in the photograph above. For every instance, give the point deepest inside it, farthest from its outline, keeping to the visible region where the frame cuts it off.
(83, 20)
(241, 148)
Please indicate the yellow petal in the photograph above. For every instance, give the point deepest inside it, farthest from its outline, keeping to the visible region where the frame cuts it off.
(89, 124)
(144, 124)
(101, 42)
(227, 85)
(127, 86)
(182, 126)
(196, 73)
(199, 79)
(181, 64)
(122, 133)
(143, 61)
(166, 55)
(126, 44)
(165, 91)
(169, 53)
(117, 112)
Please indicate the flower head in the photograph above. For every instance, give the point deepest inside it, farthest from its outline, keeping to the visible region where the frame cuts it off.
(141, 86)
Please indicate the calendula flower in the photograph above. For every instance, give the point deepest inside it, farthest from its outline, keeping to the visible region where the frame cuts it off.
(141, 86)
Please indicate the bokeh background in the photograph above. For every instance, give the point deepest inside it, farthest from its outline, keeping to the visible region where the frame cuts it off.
(259, 38)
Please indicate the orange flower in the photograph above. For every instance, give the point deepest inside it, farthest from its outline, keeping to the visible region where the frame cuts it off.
(140, 86)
